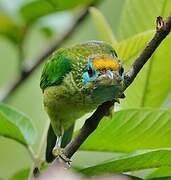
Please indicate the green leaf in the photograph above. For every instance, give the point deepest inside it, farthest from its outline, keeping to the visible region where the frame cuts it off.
(132, 162)
(140, 16)
(21, 175)
(9, 29)
(131, 47)
(152, 86)
(103, 28)
(36, 9)
(16, 125)
(160, 172)
(131, 130)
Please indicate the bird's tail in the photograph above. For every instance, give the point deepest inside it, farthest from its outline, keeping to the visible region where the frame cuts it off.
(51, 141)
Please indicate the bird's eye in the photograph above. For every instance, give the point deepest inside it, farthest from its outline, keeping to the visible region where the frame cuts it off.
(121, 70)
(90, 72)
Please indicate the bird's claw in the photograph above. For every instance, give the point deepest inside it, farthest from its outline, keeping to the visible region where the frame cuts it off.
(59, 152)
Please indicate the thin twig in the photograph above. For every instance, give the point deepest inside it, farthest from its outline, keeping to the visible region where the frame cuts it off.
(162, 30)
(11, 88)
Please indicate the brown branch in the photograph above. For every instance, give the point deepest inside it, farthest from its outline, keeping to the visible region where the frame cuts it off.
(9, 90)
(163, 29)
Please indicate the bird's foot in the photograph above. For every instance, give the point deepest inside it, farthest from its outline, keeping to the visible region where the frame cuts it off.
(59, 152)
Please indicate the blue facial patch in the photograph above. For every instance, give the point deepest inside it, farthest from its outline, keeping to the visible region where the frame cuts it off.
(89, 77)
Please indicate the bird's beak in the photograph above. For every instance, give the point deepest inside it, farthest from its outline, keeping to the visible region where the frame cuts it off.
(108, 78)
(105, 78)
(109, 74)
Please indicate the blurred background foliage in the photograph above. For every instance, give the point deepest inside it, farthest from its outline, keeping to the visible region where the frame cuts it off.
(28, 28)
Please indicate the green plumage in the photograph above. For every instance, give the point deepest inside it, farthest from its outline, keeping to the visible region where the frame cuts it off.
(55, 69)
(66, 96)
(60, 62)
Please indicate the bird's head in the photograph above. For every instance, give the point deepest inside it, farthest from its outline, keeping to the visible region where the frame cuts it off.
(103, 77)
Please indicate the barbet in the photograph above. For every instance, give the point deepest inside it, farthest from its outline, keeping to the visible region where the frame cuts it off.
(76, 81)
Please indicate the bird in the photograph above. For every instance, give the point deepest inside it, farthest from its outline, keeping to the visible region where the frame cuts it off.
(74, 81)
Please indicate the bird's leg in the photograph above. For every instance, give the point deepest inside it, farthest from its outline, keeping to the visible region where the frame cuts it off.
(58, 151)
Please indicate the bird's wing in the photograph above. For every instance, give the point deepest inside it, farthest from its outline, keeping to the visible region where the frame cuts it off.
(57, 66)
(55, 69)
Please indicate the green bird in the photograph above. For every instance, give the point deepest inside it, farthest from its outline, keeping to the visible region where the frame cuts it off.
(75, 81)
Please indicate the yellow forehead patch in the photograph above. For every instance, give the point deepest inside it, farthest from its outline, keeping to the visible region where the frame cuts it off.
(105, 64)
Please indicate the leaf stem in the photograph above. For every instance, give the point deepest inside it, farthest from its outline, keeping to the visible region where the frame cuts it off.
(31, 152)
(37, 160)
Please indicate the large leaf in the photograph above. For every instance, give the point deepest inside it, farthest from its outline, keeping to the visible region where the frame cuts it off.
(16, 125)
(139, 16)
(102, 26)
(131, 47)
(154, 78)
(132, 162)
(35, 9)
(152, 86)
(131, 130)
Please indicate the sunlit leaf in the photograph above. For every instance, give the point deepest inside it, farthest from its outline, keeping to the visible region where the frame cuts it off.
(16, 125)
(131, 130)
(35, 9)
(102, 26)
(135, 19)
(131, 47)
(132, 162)
(151, 87)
